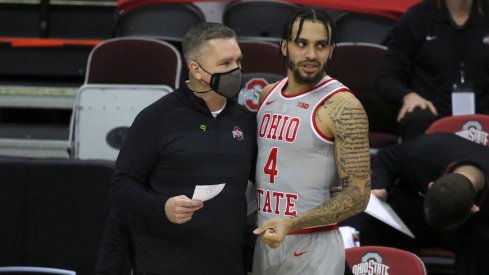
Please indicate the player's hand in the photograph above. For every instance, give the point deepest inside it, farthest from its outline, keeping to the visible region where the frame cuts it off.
(412, 101)
(180, 209)
(381, 194)
(274, 231)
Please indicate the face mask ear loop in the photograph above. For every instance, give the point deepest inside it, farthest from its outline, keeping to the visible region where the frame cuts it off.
(210, 85)
(215, 78)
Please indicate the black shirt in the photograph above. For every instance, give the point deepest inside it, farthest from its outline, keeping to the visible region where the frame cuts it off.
(419, 161)
(425, 53)
(172, 146)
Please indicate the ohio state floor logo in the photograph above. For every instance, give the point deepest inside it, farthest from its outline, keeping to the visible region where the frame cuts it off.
(371, 265)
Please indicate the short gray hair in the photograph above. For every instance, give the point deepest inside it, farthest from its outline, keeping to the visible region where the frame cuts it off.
(198, 36)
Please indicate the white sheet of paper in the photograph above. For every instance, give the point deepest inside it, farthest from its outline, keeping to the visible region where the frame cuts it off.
(463, 103)
(207, 192)
(382, 211)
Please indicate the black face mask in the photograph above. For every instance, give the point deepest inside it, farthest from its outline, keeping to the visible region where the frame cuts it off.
(227, 84)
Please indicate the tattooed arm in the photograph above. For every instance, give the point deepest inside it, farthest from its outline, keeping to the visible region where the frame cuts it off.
(342, 117)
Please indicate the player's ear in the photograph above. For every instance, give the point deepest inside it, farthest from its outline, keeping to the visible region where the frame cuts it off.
(283, 47)
(430, 184)
(333, 47)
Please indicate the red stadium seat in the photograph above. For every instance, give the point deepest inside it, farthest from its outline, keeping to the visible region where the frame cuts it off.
(363, 27)
(261, 20)
(134, 61)
(356, 66)
(261, 56)
(472, 127)
(166, 21)
(383, 260)
(124, 76)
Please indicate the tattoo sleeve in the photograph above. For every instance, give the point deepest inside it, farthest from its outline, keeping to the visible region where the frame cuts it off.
(349, 125)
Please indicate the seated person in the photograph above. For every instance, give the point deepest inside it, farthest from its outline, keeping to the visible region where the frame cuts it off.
(437, 184)
(439, 46)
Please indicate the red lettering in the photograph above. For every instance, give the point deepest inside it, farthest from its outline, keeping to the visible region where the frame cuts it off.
(267, 206)
(270, 125)
(264, 125)
(280, 137)
(259, 194)
(292, 129)
(278, 196)
(290, 203)
(273, 126)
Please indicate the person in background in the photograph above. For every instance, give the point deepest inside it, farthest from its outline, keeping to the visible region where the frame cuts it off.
(193, 136)
(438, 47)
(437, 184)
(312, 135)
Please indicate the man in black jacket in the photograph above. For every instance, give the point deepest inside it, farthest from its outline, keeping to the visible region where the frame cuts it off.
(438, 47)
(437, 184)
(194, 136)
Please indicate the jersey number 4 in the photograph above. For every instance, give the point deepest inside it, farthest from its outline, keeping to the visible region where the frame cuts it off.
(271, 166)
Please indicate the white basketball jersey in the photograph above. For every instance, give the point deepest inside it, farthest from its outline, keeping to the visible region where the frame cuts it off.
(296, 163)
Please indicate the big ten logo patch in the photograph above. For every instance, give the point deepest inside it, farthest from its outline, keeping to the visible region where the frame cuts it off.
(371, 264)
(250, 94)
(473, 131)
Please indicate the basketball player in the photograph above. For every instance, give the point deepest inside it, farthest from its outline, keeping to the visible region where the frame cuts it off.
(312, 135)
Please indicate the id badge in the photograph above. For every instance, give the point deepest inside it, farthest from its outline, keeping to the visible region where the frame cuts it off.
(463, 103)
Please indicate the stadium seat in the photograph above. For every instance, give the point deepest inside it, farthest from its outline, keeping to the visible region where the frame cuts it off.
(94, 20)
(262, 20)
(132, 60)
(472, 127)
(383, 260)
(23, 270)
(356, 65)
(261, 56)
(102, 115)
(166, 21)
(362, 27)
(124, 76)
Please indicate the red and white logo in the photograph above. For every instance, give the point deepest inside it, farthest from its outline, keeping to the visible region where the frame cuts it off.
(473, 131)
(250, 95)
(371, 264)
(237, 133)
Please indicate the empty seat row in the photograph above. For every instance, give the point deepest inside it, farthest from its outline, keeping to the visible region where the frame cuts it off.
(262, 20)
(170, 21)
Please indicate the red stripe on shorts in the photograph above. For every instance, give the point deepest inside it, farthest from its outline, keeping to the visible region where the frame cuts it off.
(314, 229)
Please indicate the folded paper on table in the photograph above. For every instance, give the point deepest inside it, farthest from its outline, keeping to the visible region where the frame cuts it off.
(382, 211)
(207, 192)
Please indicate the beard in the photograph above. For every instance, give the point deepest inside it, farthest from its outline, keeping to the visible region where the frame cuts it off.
(308, 79)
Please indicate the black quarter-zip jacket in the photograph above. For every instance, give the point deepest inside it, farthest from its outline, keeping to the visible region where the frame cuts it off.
(172, 146)
(426, 53)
